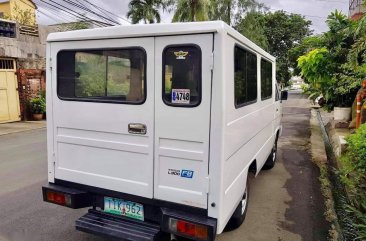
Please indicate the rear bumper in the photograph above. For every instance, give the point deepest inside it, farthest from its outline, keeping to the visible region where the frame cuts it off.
(157, 214)
(110, 226)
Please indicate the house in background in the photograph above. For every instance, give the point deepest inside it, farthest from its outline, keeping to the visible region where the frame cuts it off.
(23, 11)
(356, 9)
(22, 58)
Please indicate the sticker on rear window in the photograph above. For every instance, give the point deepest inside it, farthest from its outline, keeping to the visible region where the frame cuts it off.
(181, 54)
(181, 96)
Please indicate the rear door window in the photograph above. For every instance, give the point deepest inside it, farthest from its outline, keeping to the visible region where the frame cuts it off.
(182, 78)
(110, 75)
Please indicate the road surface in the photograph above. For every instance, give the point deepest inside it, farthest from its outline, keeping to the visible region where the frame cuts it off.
(285, 203)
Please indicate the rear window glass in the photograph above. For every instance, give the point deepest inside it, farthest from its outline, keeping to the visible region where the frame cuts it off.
(113, 75)
(182, 76)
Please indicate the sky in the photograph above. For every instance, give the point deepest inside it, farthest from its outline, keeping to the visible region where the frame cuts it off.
(314, 10)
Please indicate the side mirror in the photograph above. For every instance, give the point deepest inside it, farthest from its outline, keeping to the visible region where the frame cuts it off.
(284, 95)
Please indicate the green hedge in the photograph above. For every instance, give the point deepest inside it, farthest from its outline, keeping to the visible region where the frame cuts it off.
(353, 175)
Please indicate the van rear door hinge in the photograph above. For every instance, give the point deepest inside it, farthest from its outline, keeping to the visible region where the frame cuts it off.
(212, 61)
(50, 62)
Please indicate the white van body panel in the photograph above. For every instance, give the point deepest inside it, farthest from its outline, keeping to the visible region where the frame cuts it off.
(182, 134)
(91, 140)
(216, 140)
(246, 134)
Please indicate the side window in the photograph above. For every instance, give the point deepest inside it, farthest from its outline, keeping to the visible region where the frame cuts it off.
(111, 75)
(277, 93)
(182, 78)
(266, 79)
(245, 77)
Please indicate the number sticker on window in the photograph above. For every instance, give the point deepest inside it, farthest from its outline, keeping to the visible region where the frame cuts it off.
(181, 96)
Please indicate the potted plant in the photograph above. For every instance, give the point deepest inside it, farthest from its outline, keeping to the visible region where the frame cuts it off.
(345, 91)
(38, 108)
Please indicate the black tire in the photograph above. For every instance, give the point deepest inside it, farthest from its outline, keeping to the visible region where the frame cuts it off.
(241, 211)
(272, 158)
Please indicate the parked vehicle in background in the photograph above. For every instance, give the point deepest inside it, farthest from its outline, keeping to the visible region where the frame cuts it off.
(157, 127)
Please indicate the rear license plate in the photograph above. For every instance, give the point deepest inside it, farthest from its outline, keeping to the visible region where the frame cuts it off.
(124, 208)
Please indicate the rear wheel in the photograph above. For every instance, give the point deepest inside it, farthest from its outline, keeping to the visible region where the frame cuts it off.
(240, 212)
(271, 161)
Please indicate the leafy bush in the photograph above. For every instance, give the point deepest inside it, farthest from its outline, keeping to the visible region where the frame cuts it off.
(38, 105)
(330, 62)
(357, 148)
(353, 175)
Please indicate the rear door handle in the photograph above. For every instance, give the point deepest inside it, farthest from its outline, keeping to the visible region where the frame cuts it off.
(137, 128)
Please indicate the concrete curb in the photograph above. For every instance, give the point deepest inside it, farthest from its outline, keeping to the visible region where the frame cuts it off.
(319, 157)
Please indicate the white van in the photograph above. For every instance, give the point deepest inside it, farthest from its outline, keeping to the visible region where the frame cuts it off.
(156, 127)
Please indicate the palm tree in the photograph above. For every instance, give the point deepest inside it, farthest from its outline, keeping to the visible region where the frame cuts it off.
(191, 11)
(146, 10)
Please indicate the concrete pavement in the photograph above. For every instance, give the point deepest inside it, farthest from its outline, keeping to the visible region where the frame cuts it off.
(15, 127)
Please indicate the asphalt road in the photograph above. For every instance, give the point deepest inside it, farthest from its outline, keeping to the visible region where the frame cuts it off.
(285, 203)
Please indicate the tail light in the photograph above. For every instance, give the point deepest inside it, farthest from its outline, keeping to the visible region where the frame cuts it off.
(58, 198)
(188, 229)
(69, 197)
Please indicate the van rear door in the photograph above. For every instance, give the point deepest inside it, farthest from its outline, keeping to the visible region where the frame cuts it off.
(182, 118)
(103, 112)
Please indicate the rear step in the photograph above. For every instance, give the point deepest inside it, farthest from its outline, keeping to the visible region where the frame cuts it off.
(103, 224)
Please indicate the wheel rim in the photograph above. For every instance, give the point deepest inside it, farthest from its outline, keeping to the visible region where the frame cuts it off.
(274, 154)
(244, 203)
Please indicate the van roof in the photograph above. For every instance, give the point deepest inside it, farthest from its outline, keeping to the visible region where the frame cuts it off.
(151, 30)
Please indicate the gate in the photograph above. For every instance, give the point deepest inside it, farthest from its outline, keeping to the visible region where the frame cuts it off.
(9, 97)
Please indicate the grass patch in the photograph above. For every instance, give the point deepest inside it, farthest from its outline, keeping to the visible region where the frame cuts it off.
(353, 174)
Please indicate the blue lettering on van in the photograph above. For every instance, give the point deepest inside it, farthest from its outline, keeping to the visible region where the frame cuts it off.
(187, 173)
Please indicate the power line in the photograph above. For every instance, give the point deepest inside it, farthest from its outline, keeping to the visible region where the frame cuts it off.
(71, 12)
(59, 14)
(84, 17)
(102, 12)
(49, 16)
(122, 18)
(90, 11)
(27, 4)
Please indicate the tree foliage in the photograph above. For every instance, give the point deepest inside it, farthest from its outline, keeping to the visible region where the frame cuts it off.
(145, 10)
(73, 26)
(232, 11)
(191, 11)
(345, 47)
(278, 33)
(285, 31)
(317, 67)
(252, 27)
